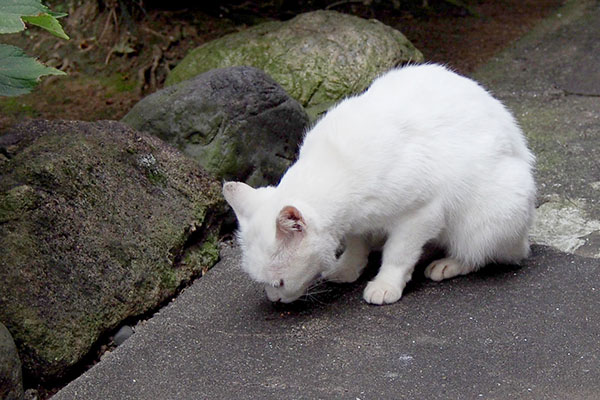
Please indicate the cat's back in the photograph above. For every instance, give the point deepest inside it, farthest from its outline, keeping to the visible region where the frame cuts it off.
(416, 128)
(417, 94)
(421, 105)
(424, 79)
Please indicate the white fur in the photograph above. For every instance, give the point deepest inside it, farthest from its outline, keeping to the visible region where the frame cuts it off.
(423, 155)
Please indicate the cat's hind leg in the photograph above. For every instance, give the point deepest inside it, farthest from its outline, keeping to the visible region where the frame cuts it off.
(492, 228)
(449, 267)
(446, 268)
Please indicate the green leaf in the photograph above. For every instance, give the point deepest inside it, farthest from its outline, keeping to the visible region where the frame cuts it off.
(48, 22)
(56, 14)
(14, 14)
(20, 73)
(11, 12)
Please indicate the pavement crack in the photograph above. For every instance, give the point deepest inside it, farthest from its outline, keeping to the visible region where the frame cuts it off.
(580, 94)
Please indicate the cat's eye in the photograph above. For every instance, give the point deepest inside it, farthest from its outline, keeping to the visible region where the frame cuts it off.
(340, 250)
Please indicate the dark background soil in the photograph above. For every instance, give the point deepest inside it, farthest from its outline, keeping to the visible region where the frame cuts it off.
(119, 54)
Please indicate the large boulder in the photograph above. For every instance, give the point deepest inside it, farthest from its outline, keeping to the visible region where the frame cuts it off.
(11, 381)
(237, 122)
(98, 223)
(318, 57)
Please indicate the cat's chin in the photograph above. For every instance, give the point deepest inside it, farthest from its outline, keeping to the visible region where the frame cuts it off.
(282, 299)
(278, 296)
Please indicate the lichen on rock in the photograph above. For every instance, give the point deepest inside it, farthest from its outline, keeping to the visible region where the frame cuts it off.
(318, 57)
(11, 380)
(93, 217)
(237, 122)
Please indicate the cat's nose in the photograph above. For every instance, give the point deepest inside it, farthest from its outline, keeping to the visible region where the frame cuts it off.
(272, 292)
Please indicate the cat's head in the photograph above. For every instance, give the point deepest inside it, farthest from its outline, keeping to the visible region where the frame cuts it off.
(282, 244)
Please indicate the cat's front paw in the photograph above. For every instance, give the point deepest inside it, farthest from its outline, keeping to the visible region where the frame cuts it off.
(378, 292)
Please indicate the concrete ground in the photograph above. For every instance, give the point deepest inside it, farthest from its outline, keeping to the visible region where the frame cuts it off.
(506, 332)
(551, 81)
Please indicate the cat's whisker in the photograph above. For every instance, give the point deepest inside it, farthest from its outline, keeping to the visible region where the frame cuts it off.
(313, 299)
(312, 294)
(320, 291)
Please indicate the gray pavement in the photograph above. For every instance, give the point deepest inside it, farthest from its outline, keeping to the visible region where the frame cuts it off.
(506, 332)
(551, 81)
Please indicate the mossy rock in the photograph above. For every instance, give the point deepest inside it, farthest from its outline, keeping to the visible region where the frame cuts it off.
(11, 380)
(237, 122)
(318, 57)
(98, 223)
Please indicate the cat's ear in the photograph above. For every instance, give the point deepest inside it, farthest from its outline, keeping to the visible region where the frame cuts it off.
(290, 223)
(240, 197)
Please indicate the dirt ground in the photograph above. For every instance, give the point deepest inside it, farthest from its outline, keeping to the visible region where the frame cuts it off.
(115, 57)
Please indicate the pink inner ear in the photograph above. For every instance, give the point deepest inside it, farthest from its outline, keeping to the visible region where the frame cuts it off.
(290, 212)
(289, 221)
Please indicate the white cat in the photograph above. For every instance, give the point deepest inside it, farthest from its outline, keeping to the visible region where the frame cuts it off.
(423, 155)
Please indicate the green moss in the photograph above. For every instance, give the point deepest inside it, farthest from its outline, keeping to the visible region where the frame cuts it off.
(200, 213)
(169, 279)
(41, 344)
(315, 112)
(307, 61)
(539, 123)
(16, 106)
(156, 177)
(217, 161)
(204, 255)
(230, 50)
(119, 83)
(75, 270)
(16, 201)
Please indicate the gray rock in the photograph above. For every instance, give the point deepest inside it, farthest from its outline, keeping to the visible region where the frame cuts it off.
(98, 222)
(11, 380)
(236, 122)
(318, 57)
(122, 335)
